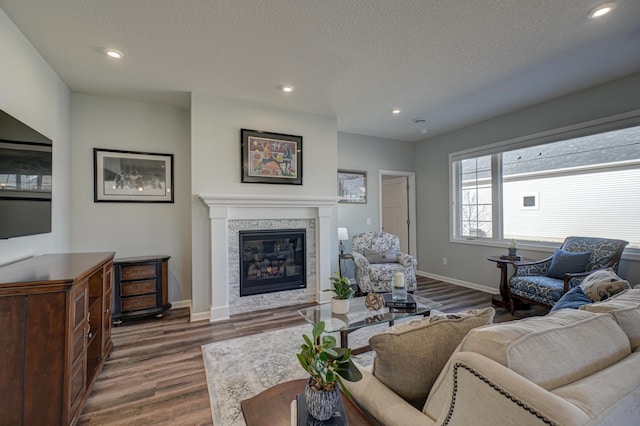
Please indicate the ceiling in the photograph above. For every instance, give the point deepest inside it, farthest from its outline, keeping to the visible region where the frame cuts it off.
(451, 63)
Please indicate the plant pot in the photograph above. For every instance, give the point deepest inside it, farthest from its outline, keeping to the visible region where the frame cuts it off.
(321, 404)
(339, 306)
(513, 251)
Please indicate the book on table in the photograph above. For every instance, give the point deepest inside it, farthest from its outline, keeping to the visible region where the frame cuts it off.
(408, 304)
(300, 415)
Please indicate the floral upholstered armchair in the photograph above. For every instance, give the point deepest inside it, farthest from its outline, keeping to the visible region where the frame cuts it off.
(545, 281)
(378, 257)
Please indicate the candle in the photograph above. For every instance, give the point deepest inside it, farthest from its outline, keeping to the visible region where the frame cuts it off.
(399, 280)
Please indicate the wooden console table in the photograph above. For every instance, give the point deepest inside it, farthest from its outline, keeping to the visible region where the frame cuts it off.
(273, 406)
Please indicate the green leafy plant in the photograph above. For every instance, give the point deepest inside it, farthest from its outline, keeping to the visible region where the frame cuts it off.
(513, 244)
(341, 287)
(326, 363)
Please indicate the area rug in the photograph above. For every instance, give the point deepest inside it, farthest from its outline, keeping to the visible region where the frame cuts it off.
(241, 368)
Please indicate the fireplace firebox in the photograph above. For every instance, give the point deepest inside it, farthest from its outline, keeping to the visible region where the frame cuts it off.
(272, 260)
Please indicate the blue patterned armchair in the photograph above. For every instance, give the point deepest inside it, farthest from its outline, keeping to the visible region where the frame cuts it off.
(378, 257)
(545, 281)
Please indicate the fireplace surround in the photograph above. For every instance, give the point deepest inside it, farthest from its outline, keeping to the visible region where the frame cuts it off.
(229, 214)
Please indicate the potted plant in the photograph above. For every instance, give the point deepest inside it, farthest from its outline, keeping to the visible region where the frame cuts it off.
(327, 365)
(343, 292)
(513, 247)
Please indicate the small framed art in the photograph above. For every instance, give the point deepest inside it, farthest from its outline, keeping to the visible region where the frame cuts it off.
(352, 186)
(133, 177)
(271, 157)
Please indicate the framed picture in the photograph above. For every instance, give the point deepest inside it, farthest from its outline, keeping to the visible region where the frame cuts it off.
(271, 157)
(132, 177)
(352, 186)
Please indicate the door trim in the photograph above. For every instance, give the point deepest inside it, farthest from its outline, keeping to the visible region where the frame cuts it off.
(411, 179)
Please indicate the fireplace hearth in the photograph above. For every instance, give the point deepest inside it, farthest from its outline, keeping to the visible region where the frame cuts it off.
(272, 260)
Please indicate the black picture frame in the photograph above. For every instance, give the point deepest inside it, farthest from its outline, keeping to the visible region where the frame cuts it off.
(132, 176)
(352, 186)
(272, 158)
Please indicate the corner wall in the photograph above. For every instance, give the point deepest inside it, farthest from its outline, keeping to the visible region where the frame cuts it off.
(468, 263)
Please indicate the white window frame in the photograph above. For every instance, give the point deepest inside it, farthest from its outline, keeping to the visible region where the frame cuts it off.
(616, 122)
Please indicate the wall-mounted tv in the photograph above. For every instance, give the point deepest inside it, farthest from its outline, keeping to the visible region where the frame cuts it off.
(25, 179)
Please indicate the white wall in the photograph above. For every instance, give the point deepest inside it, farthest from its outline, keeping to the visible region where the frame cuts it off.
(371, 154)
(468, 263)
(215, 166)
(132, 229)
(34, 94)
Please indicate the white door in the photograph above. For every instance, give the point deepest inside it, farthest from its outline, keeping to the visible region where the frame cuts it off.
(395, 208)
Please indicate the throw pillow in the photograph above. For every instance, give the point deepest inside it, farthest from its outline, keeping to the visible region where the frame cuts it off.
(373, 256)
(566, 262)
(410, 356)
(603, 284)
(572, 299)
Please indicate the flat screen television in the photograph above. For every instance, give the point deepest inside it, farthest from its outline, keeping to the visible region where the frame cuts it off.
(25, 179)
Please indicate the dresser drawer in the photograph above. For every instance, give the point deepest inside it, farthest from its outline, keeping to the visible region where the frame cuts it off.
(138, 302)
(136, 272)
(138, 287)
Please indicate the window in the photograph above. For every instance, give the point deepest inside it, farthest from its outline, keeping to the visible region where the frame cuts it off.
(581, 181)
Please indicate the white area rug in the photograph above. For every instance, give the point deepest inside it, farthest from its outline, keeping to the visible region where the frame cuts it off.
(240, 368)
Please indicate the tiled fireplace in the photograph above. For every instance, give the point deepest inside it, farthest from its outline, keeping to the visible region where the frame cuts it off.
(232, 215)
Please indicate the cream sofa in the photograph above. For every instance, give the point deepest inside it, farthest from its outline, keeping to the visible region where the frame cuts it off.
(571, 367)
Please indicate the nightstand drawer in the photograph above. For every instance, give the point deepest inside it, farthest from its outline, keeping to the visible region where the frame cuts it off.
(138, 302)
(138, 287)
(136, 272)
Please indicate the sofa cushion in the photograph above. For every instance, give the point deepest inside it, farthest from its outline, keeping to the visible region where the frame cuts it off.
(409, 356)
(390, 256)
(625, 308)
(573, 299)
(552, 350)
(567, 262)
(602, 284)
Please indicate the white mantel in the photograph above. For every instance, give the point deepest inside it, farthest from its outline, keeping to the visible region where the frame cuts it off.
(223, 208)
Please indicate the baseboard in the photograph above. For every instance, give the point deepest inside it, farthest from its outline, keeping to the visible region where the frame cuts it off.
(181, 304)
(461, 283)
(200, 316)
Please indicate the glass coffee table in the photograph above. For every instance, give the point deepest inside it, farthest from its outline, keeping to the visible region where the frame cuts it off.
(359, 316)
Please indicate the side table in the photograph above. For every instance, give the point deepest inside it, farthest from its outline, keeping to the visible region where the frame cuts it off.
(504, 301)
(343, 257)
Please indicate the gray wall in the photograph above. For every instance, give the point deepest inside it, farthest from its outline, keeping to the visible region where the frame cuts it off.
(467, 263)
(133, 229)
(371, 154)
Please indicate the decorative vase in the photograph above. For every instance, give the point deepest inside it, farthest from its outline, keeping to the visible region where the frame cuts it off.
(321, 404)
(339, 306)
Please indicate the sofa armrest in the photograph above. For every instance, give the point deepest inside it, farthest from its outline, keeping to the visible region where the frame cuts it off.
(382, 405)
(481, 392)
(407, 260)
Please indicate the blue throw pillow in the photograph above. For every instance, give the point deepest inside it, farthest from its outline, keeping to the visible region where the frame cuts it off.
(573, 299)
(567, 262)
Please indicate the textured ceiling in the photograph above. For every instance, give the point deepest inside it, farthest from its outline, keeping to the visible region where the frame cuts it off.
(450, 62)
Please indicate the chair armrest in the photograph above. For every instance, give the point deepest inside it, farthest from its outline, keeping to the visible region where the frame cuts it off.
(382, 404)
(360, 261)
(483, 392)
(539, 267)
(407, 260)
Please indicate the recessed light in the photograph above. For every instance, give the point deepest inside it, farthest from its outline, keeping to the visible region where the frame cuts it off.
(113, 53)
(395, 111)
(601, 10)
(286, 88)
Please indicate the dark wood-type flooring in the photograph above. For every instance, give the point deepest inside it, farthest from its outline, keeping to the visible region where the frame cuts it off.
(155, 375)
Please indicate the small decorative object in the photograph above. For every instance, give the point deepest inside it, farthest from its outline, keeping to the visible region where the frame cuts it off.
(373, 301)
(327, 365)
(399, 289)
(343, 293)
(271, 157)
(343, 234)
(513, 248)
(352, 186)
(138, 177)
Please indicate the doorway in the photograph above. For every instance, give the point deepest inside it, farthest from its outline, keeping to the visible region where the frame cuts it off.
(397, 207)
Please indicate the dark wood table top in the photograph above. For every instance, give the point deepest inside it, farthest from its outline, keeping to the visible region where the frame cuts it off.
(273, 406)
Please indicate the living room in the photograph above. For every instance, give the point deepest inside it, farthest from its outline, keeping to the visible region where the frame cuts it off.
(203, 137)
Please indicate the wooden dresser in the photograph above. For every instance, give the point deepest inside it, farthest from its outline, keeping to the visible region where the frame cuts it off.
(55, 316)
(141, 287)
